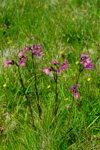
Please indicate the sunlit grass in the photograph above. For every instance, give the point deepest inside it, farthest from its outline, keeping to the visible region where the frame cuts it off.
(67, 28)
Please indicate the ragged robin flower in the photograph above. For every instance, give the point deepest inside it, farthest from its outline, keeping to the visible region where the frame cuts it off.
(58, 69)
(85, 60)
(73, 89)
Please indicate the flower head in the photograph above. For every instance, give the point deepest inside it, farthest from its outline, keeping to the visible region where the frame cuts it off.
(58, 68)
(66, 99)
(64, 65)
(9, 42)
(21, 63)
(85, 60)
(73, 89)
(55, 62)
(7, 63)
(25, 48)
(36, 50)
(48, 86)
(59, 71)
(46, 70)
(88, 79)
(21, 54)
(77, 62)
(4, 85)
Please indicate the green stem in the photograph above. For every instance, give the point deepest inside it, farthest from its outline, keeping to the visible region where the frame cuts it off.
(36, 90)
(27, 98)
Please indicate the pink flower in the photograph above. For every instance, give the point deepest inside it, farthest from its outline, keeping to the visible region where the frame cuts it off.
(85, 60)
(46, 70)
(89, 66)
(7, 63)
(73, 89)
(76, 95)
(59, 71)
(21, 63)
(64, 65)
(21, 54)
(25, 48)
(55, 62)
(36, 50)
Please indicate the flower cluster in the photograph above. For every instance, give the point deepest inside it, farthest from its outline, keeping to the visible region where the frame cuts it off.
(73, 89)
(22, 57)
(85, 60)
(9, 63)
(58, 69)
(36, 50)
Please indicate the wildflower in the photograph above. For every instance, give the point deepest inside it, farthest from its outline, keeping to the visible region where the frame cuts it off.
(85, 60)
(23, 3)
(13, 46)
(20, 54)
(88, 79)
(7, 63)
(59, 67)
(77, 62)
(45, 6)
(73, 89)
(59, 71)
(46, 70)
(61, 52)
(76, 95)
(66, 99)
(25, 48)
(89, 66)
(21, 63)
(55, 62)
(64, 65)
(48, 86)
(36, 50)
(4, 85)
(9, 42)
(12, 115)
(73, 19)
(8, 8)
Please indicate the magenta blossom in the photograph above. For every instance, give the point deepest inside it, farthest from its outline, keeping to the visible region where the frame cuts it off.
(85, 60)
(76, 95)
(7, 63)
(89, 66)
(73, 89)
(25, 48)
(22, 59)
(21, 63)
(59, 71)
(58, 68)
(36, 50)
(46, 70)
(55, 62)
(21, 54)
(64, 65)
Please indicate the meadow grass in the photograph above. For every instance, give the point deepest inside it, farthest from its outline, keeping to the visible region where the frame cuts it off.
(70, 26)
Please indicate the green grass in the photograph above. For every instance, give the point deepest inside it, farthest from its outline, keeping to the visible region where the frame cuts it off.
(59, 25)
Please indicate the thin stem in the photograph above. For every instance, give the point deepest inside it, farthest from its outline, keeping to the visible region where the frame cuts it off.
(56, 95)
(70, 112)
(27, 98)
(36, 90)
(80, 70)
